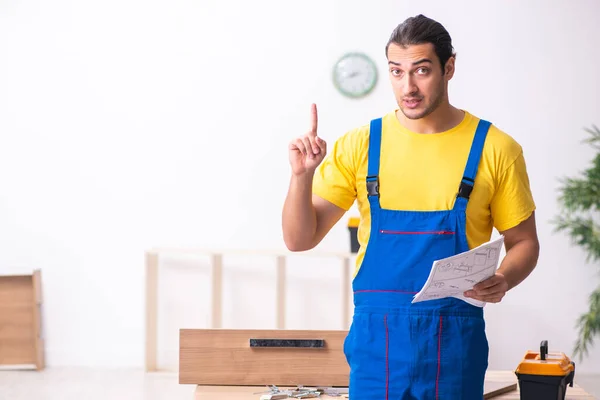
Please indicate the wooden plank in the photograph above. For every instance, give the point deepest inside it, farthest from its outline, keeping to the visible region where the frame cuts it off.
(494, 389)
(38, 342)
(40, 358)
(152, 261)
(498, 383)
(346, 294)
(217, 290)
(37, 286)
(20, 320)
(573, 393)
(281, 285)
(18, 367)
(16, 290)
(17, 351)
(494, 379)
(16, 323)
(16, 315)
(224, 357)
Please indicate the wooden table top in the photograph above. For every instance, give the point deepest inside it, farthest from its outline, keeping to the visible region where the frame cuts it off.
(573, 393)
(493, 379)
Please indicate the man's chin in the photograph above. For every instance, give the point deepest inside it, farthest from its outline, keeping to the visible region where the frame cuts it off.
(413, 114)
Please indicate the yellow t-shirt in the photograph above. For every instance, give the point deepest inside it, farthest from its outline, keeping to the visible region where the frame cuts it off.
(422, 172)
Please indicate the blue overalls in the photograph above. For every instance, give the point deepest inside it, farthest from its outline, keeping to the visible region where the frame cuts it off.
(429, 350)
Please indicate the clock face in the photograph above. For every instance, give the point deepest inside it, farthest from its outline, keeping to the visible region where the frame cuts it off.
(355, 75)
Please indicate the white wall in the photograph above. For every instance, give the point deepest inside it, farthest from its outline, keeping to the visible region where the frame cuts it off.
(131, 124)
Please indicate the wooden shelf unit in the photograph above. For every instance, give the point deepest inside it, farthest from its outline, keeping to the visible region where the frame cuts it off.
(21, 342)
(217, 265)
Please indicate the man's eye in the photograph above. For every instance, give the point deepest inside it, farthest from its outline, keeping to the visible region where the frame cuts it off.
(422, 71)
(395, 72)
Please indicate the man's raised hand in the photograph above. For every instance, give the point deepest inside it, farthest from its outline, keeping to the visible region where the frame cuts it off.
(307, 151)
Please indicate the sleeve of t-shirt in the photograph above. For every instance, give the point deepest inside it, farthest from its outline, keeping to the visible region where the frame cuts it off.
(513, 200)
(335, 178)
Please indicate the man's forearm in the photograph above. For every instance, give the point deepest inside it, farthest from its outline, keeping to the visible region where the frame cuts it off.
(519, 262)
(299, 217)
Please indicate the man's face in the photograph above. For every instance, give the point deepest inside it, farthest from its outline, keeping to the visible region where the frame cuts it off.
(417, 78)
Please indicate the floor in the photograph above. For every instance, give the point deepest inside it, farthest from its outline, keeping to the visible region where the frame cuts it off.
(98, 384)
(92, 384)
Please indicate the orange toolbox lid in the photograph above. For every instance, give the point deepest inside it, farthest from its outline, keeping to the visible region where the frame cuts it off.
(545, 363)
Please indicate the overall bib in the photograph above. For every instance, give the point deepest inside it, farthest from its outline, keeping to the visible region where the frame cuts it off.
(429, 350)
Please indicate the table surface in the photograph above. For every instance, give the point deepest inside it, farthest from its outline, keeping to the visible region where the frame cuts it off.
(248, 392)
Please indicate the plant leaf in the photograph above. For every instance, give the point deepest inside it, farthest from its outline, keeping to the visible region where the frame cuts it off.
(580, 199)
(589, 326)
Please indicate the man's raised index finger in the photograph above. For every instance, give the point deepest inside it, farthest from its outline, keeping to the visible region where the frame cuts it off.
(314, 119)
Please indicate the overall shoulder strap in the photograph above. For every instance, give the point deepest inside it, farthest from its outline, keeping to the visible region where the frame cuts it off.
(468, 180)
(373, 162)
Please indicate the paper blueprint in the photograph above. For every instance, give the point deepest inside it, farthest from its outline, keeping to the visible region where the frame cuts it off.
(452, 276)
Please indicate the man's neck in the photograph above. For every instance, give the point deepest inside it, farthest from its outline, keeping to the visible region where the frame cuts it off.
(444, 118)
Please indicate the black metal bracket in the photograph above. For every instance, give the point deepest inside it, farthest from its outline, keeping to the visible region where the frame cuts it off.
(296, 343)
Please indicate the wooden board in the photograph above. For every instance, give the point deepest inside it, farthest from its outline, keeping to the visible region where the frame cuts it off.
(20, 323)
(224, 357)
(573, 393)
(498, 383)
(223, 365)
(494, 379)
(494, 389)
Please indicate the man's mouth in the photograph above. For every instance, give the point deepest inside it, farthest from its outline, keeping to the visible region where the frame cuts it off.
(412, 103)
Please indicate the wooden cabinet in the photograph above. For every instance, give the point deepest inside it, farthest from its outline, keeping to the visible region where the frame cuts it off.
(21, 343)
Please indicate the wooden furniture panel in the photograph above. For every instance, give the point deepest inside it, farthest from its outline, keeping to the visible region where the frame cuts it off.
(16, 290)
(16, 352)
(16, 321)
(225, 357)
(21, 345)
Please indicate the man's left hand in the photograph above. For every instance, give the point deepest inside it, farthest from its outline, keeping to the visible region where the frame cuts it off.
(491, 290)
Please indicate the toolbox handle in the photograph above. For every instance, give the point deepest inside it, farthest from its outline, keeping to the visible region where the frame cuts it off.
(543, 349)
(295, 343)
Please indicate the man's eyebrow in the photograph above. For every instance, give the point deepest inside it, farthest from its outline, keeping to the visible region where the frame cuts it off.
(421, 61)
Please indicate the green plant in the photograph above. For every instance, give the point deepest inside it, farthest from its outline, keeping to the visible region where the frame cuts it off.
(580, 200)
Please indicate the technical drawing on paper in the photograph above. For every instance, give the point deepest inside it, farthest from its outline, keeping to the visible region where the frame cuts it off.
(452, 276)
(468, 267)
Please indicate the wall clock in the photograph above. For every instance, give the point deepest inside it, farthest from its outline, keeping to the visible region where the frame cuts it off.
(354, 75)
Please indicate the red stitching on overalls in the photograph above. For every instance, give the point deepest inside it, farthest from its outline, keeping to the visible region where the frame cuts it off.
(387, 358)
(384, 291)
(437, 379)
(417, 233)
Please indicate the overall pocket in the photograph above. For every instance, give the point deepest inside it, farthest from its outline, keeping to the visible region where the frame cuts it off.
(406, 254)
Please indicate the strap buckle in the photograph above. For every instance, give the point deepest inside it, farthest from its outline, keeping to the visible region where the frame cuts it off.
(465, 188)
(373, 185)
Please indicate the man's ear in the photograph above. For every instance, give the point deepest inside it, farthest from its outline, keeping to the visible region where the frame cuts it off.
(450, 67)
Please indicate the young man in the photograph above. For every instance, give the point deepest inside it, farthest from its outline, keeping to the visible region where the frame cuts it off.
(430, 181)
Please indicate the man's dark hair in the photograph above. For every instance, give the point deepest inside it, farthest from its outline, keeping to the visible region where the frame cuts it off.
(421, 29)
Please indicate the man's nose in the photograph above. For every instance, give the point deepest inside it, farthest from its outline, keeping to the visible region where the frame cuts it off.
(408, 85)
